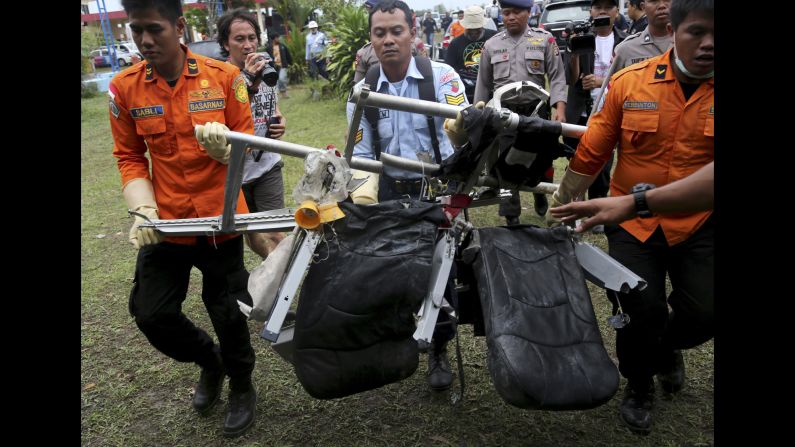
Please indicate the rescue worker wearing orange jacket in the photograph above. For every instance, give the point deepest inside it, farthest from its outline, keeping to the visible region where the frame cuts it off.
(154, 106)
(661, 113)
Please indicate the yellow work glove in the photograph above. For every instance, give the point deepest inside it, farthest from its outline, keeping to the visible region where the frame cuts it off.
(367, 194)
(454, 128)
(140, 198)
(212, 137)
(572, 185)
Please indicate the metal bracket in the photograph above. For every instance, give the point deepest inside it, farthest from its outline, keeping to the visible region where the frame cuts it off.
(359, 96)
(234, 180)
(604, 271)
(440, 271)
(303, 248)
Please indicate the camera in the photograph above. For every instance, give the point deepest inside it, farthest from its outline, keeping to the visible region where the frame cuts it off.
(269, 74)
(585, 41)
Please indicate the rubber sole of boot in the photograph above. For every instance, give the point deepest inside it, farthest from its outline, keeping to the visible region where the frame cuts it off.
(238, 432)
(634, 429)
(206, 411)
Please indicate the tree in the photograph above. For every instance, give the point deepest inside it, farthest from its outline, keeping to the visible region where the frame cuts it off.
(440, 8)
(197, 19)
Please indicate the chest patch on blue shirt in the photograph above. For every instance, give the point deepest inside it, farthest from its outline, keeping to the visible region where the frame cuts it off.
(207, 104)
(640, 105)
(383, 113)
(146, 112)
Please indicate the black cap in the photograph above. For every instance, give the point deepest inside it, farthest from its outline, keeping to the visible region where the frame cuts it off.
(615, 2)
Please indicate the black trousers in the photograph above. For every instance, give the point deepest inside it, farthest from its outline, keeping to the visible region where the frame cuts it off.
(162, 274)
(653, 332)
(444, 331)
(601, 185)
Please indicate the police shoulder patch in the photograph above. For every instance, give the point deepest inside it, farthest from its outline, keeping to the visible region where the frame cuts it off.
(239, 87)
(659, 72)
(455, 100)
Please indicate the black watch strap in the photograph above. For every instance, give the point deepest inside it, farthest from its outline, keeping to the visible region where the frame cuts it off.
(639, 193)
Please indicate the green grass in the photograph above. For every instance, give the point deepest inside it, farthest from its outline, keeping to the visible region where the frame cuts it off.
(131, 395)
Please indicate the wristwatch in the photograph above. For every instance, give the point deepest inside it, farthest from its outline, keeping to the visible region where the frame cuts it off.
(639, 192)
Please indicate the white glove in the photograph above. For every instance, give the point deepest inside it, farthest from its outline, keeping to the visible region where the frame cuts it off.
(572, 185)
(140, 198)
(367, 194)
(454, 128)
(212, 136)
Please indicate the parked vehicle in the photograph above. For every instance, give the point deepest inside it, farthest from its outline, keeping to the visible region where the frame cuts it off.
(559, 14)
(209, 48)
(101, 58)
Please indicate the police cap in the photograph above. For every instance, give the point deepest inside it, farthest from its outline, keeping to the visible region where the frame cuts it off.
(521, 4)
(615, 2)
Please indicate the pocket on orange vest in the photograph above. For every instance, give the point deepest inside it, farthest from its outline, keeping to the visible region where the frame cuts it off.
(640, 126)
(153, 130)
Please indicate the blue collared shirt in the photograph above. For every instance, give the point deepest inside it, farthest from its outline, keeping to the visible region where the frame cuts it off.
(406, 134)
(315, 44)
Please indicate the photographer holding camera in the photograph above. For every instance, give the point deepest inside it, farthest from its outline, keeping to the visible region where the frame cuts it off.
(263, 185)
(590, 54)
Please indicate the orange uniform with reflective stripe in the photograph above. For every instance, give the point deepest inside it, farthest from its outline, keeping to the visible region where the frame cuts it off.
(145, 112)
(661, 138)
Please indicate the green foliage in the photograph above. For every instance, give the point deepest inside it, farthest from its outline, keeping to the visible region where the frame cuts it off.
(351, 33)
(197, 19)
(297, 71)
(89, 41)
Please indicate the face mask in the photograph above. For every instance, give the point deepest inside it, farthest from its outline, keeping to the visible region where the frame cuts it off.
(681, 66)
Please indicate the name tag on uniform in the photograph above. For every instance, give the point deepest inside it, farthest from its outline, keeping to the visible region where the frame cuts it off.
(383, 113)
(146, 112)
(208, 104)
(640, 105)
(500, 57)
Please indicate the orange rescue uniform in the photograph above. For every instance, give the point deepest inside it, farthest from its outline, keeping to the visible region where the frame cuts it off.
(456, 29)
(661, 138)
(145, 112)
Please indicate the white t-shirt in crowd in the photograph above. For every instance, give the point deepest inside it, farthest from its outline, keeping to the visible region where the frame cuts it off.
(602, 60)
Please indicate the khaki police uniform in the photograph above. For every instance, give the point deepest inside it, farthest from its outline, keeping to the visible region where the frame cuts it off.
(365, 58)
(635, 48)
(504, 61)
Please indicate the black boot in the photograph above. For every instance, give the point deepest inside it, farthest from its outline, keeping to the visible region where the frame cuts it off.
(512, 220)
(242, 406)
(635, 409)
(541, 204)
(439, 376)
(211, 382)
(672, 373)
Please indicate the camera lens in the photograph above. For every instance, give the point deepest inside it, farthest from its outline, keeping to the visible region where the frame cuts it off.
(270, 76)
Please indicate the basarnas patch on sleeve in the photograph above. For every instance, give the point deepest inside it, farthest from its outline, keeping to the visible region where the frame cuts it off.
(146, 111)
(239, 87)
(114, 109)
(207, 104)
(455, 100)
(359, 135)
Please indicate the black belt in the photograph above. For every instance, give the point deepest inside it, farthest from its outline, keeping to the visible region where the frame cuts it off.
(405, 186)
